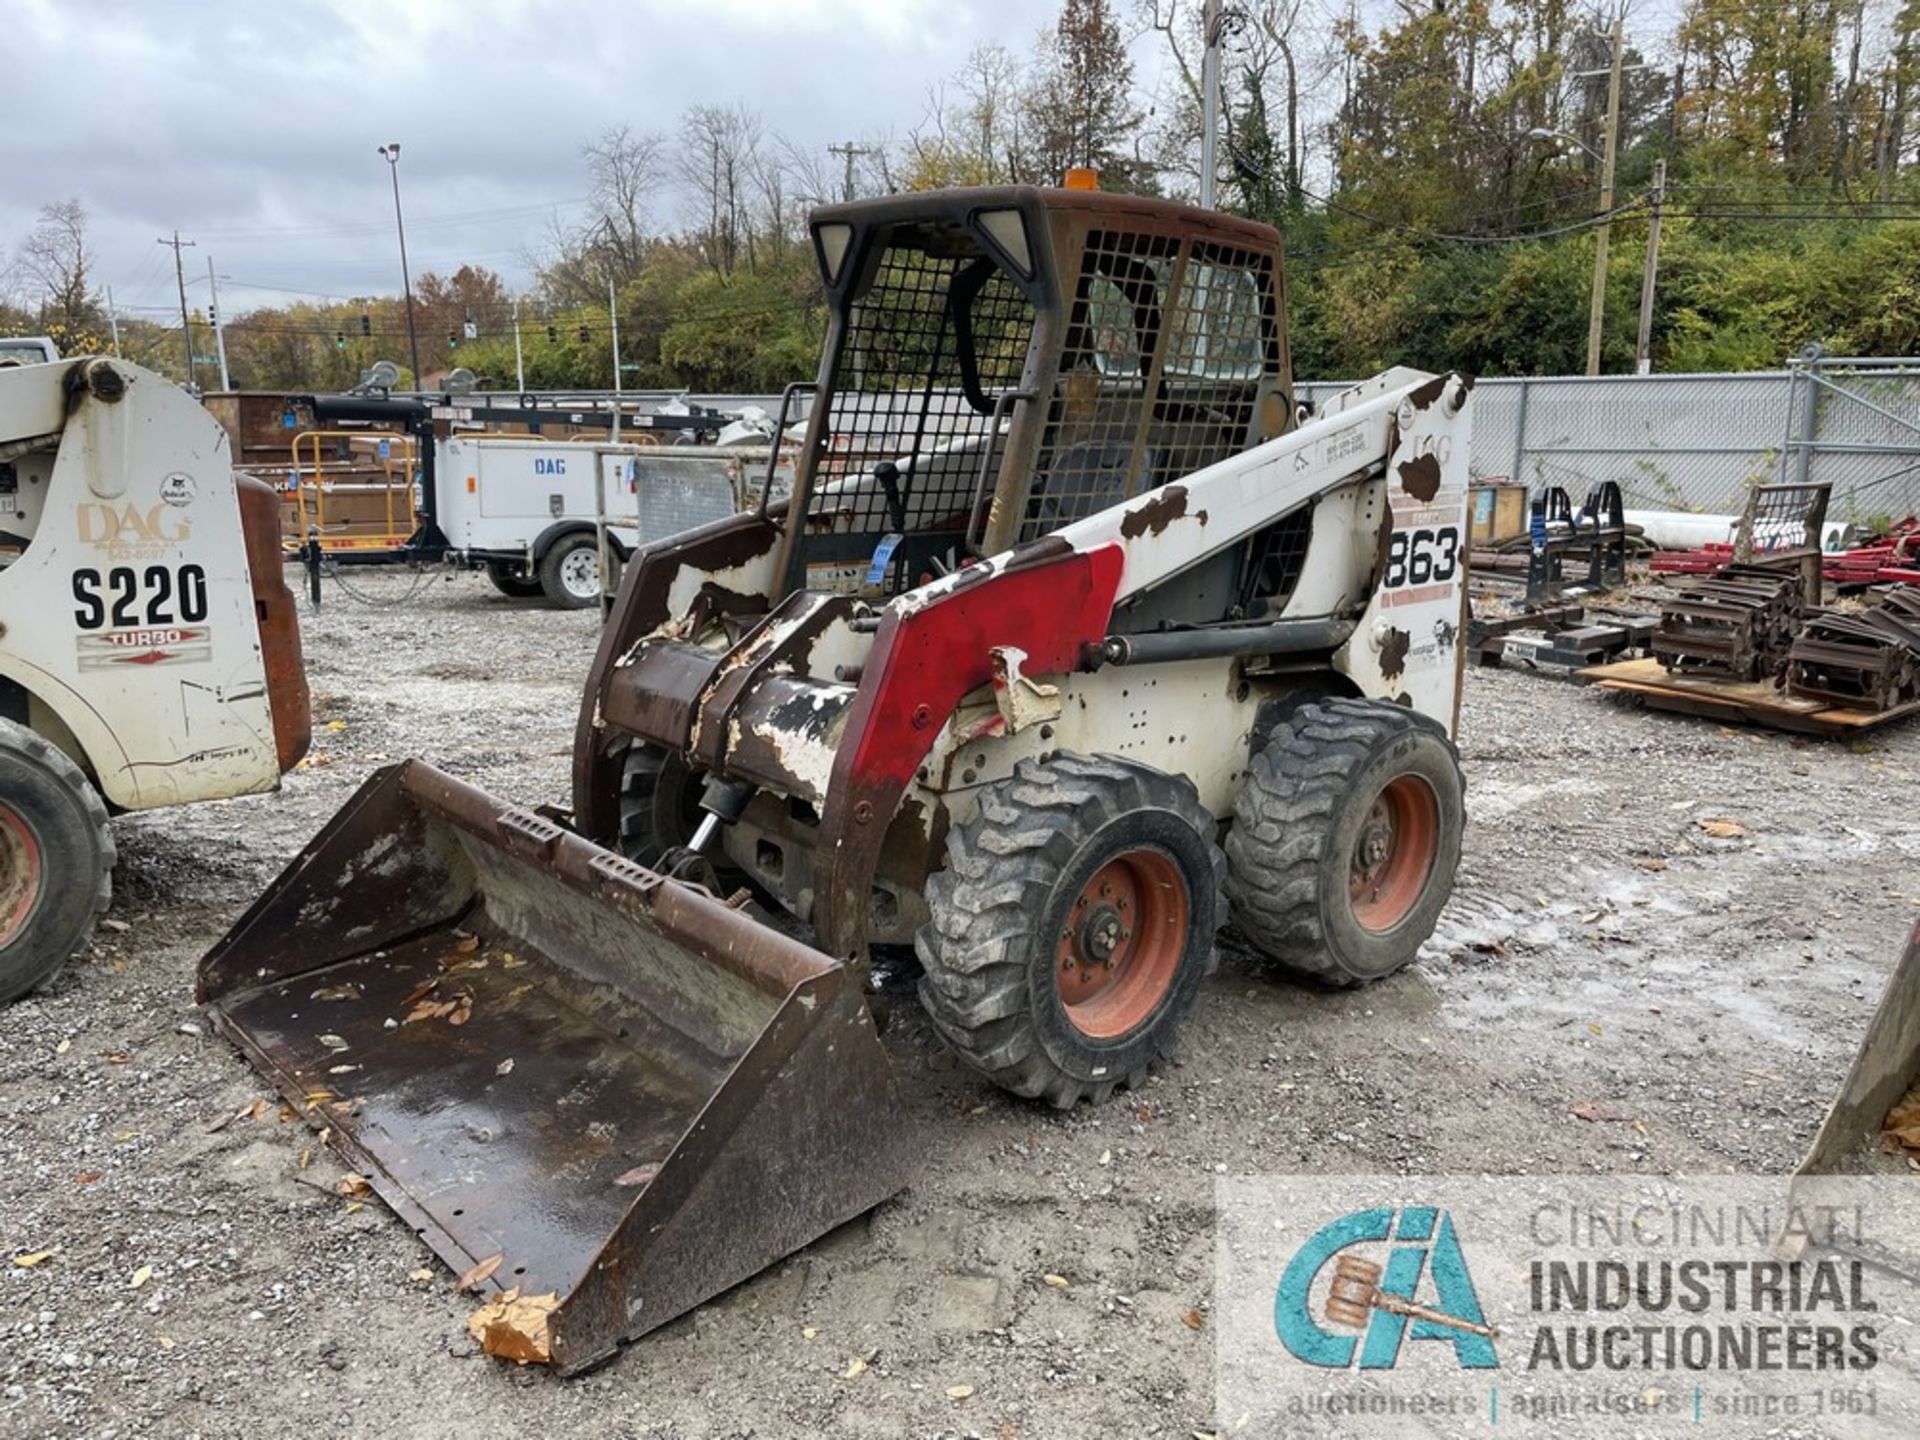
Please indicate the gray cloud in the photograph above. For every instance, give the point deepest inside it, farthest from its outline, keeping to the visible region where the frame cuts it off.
(251, 125)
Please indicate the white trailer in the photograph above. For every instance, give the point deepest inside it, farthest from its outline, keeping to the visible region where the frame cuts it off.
(526, 509)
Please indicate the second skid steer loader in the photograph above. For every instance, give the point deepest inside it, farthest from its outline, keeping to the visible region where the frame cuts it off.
(1067, 649)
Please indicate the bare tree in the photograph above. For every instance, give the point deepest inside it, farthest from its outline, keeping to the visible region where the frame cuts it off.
(55, 265)
(625, 171)
(719, 143)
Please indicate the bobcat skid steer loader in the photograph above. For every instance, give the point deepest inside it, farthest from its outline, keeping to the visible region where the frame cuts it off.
(149, 649)
(1066, 647)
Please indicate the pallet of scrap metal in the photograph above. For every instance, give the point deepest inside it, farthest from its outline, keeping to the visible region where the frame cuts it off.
(1739, 623)
(1865, 660)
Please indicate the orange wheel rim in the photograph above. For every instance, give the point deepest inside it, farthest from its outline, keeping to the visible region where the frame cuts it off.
(1394, 853)
(1120, 943)
(20, 874)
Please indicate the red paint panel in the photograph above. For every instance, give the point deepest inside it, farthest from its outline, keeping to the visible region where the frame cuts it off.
(921, 667)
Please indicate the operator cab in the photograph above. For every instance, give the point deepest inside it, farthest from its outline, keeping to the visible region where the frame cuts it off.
(1001, 362)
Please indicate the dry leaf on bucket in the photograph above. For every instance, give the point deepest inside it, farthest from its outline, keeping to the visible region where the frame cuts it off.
(513, 1326)
(478, 1274)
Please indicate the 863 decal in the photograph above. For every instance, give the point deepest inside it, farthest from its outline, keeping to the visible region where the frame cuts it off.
(128, 595)
(1422, 557)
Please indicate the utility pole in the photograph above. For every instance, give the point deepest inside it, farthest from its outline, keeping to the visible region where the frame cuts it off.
(519, 365)
(1596, 314)
(613, 316)
(113, 323)
(219, 330)
(1210, 101)
(849, 152)
(1644, 364)
(180, 275)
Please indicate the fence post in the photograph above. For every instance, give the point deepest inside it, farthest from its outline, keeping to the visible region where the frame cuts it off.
(1520, 433)
(1809, 417)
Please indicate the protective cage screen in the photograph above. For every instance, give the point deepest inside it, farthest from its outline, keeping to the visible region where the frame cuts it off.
(933, 343)
(1213, 319)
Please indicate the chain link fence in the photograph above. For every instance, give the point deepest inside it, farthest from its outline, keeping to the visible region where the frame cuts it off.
(1697, 442)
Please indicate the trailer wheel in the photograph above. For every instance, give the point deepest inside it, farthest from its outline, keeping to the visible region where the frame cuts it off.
(513, 581)
(570, 571)
(1345, 838)
(1072, 926)
(56, 860)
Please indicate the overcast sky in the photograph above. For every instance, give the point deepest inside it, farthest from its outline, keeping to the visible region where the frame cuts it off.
(251, 125)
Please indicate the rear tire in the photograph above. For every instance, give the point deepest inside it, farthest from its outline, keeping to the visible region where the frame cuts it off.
(1072, 926)
(570, 572)
(56, 860)
(1345, 838)
(659, 803)
(513, 582)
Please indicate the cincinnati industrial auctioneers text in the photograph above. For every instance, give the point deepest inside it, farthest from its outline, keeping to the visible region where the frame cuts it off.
(1745, 1315)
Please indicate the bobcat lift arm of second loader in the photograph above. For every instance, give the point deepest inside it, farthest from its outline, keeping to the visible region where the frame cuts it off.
(1065, 640)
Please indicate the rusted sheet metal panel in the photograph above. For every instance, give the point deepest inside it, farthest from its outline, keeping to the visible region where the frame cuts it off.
(655, 695)
(691, 1094)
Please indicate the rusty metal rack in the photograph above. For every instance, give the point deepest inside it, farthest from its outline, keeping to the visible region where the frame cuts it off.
(1869, 660)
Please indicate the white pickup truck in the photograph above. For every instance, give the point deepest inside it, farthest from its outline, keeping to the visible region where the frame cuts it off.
(27, 350)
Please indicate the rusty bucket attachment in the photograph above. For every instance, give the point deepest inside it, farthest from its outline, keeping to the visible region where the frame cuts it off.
(574, 1078)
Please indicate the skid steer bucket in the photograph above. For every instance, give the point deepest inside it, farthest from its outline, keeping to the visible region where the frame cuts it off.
(587, 1081)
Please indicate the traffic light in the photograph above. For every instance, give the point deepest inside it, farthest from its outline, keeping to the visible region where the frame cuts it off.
(453, 340)
(339, 339)
(553, 334)
(366, 324)
(585, 334)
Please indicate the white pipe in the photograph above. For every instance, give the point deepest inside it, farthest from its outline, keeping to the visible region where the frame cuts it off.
(1683, 530)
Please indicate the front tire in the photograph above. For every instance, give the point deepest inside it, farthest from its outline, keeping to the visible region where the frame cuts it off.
(1072, 926)
(513, 582)
(1345, 839)
(56, 860)
(570, 572)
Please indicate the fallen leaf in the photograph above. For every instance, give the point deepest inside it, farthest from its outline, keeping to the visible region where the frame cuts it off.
(336, 724)
(1596, 1110)
(1193, 1320)
(465, 944)
(140, 1277)
(428, 1010)
(63, 1047)
(807, 1332)
(38, 1257)
(462, 1010)
(86, 1177)
(306, 1157)
(336, 992)
(1595, 1028)
(318, 1097)
(1059, 1282)
(354, 1186)
(1723, 829)
(510, 961)
(422, 1276)
(335, 1042)
(355, 1208)
(1651, 862)
(959, 1392)
(116, 1057)
(856, 1367)
(638, 1175)
(1591, 916)
(478, 1275)
(1106, 1157)
(505, 1067)
(166, 1342)
(341, 1069)
(514, 1326)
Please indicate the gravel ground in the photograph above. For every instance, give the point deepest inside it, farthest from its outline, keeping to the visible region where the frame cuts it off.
(210, 1282)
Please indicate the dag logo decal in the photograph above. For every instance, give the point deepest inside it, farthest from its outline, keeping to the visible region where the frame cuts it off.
(1380, 1301)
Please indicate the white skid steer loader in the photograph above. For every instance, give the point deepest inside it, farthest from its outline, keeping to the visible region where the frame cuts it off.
(1067, 649)
(149, 650)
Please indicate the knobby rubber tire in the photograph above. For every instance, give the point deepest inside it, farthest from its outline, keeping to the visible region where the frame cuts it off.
(56, 802)
(1013, 872)
(1295, 823)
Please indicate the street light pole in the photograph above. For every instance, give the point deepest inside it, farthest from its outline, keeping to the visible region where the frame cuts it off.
(1643, 364)
(1596, 312)
(1211, 24)
(391, 154)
